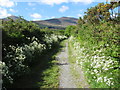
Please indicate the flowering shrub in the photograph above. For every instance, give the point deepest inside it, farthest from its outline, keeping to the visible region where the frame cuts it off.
(52, 39)
(19, 59)
(99, 68)
(61, 37)
(49, 39)
(23, 44)
(4, 70)
(33, 50)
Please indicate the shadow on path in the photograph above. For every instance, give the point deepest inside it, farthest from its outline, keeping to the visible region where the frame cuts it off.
(31, 80)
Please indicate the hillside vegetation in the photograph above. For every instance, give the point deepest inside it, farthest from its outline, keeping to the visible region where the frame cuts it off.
(57, 23)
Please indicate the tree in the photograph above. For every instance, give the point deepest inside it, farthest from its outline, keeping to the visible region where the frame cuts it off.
(69, 30)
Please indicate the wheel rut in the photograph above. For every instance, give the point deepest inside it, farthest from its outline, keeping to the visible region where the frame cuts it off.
(66, 78)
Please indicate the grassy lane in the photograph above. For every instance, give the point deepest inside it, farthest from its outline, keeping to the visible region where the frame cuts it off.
(51, 75)
(66, 79)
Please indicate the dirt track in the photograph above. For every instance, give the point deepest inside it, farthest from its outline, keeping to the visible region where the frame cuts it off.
(66, 79)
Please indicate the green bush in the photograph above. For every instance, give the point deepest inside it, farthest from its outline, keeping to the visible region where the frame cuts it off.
(23, 44)
(96, 44)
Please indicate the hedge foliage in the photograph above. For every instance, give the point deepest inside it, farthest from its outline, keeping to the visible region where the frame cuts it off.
(23, 45)
(96, 44)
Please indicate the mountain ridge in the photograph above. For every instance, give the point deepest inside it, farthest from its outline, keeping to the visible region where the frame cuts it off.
(53, 23)
(62, 22)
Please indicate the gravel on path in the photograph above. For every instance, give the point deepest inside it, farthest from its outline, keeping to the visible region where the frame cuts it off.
(66, 79)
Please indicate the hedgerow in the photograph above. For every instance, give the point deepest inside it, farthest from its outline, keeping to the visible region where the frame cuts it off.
(23, 44)
(96, 46)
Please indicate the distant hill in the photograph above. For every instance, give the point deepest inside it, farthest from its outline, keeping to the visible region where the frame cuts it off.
(12, 17)
(55, 23)
(62, 22)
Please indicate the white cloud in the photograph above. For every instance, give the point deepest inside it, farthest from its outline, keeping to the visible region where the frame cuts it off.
(4, 13)
(6, 3)
(35, 19)
(70, 16)
(79, 15)
(83, 1)
(12, 10)
(33, 8)
(31, 4)
(53, 17)
(82, 10)
(52, 2)
(26, 9)
(36, 16)
(63, 9)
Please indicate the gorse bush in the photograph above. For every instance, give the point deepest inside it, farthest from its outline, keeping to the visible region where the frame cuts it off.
(96, 44)
(23, 44)
(106, 35)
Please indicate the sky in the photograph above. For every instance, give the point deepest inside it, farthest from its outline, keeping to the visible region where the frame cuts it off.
(45, 9)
